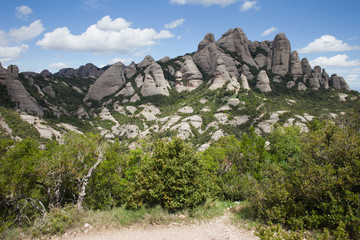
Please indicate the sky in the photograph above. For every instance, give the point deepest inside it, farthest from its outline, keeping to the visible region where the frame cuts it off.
(37, 34)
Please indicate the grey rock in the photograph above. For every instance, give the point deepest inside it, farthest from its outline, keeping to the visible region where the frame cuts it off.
(13, 71)
(171, 70)
(89, 70)
(155, 82)
(252, 46)
(229, 63)
(146, 62)
(290, 84)
(108, 83)
(261, 60)
(235, 40)
(208, 53)
(339, 83)
(314, 80)
(233, 85)
(263, 82)
(256, 44)
(317, 69)
(221, 75)
(189, 70)
(265, 45)
(244, 82)
(164, 59)
(301, 86)
(49, 91)
(30, 74)
(9, 77)
(281, 55)
(295, 65)
(190, 74)
(246, 71)
(66, 72)
(139, 80)
(127, 91)
(305, 65)
(209, 38)
(325, 79)
(130, 71)
(45, 73)
(178, 76)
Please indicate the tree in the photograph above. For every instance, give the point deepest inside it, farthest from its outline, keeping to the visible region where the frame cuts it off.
(18, 183)
(66, 168)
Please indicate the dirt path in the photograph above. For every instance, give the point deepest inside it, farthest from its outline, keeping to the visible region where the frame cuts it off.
(215, 229)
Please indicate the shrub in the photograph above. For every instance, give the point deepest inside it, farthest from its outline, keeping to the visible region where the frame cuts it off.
(315, 188)
(173, 177)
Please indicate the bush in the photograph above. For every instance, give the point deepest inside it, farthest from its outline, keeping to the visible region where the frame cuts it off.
(315, 188)
(173, 177)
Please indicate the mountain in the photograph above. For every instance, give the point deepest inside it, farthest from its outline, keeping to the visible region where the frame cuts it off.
(224, 87)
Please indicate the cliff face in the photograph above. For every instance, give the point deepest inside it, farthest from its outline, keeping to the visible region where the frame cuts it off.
(10, 78)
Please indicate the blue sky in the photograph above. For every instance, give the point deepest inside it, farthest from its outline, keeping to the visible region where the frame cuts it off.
(37, 35)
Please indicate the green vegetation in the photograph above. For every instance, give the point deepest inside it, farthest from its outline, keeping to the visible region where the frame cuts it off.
(5, 100)
(17, 125)
(298, 185)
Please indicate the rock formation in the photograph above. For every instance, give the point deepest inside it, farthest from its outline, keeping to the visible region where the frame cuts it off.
(108, 83)
(10, 78)
(208, 53)
(339, 83)
(155, 82)
(281, 55)
(89, 70)
(191, 74)
(244, 82)
(235, 40)
(130, 71)
(221, 75)
(229, 63)
(263, 82)
(295, 65)
(305, 65)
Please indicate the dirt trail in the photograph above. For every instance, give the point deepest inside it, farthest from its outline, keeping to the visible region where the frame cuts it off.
(215, 229)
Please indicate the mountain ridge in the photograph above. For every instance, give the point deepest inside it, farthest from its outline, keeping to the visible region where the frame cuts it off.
(224, 87)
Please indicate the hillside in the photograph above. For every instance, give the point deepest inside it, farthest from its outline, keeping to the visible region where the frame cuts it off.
(222, 88)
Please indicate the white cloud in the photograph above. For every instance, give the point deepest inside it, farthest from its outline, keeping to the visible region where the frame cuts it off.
(8, 54)
(8, 51)
(356, 69)
(3, 38)
(175, 24)
(178, 37)
(352, 77)
(58, 65)
(26, 33)
(247, 5)
(125, 61)
(340, 60)
(222, 3)
(327, 43)
(268, 31)
(107, 24)
(23, 12)
(107, 36)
